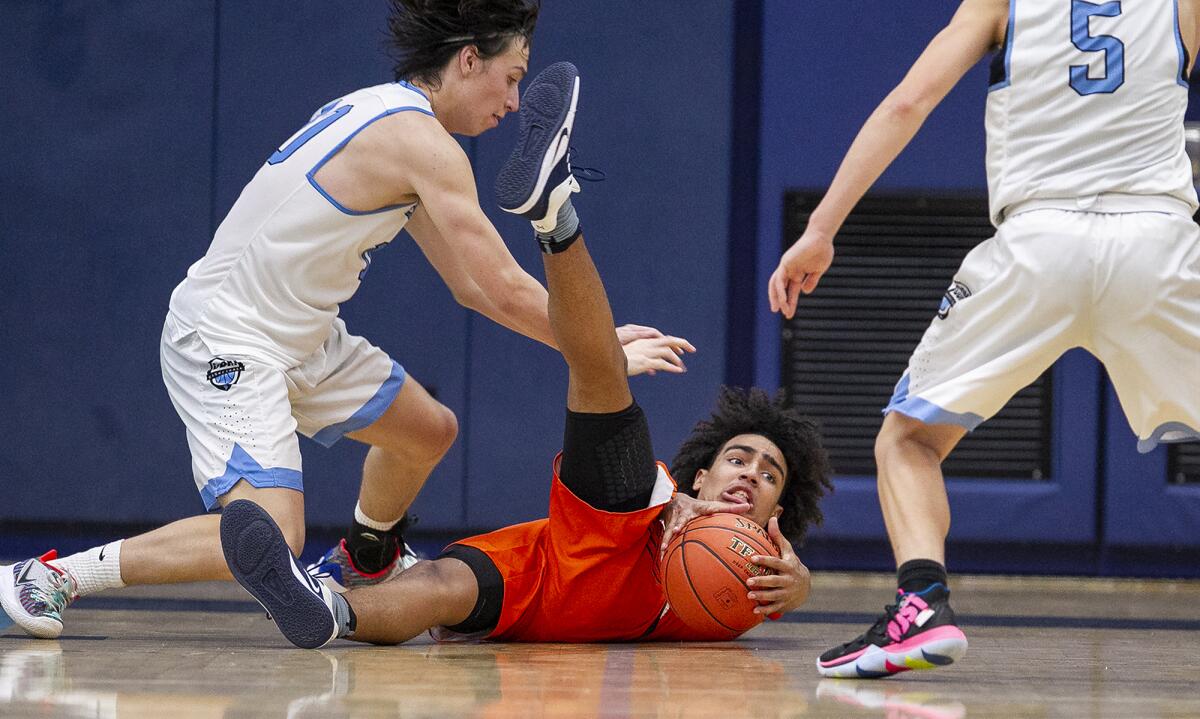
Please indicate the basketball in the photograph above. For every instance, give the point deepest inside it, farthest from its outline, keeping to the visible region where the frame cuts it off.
(705, 571)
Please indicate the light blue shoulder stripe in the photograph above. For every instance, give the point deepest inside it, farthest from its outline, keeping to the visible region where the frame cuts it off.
(1008, 46)
(1181, 76)
(321, 163)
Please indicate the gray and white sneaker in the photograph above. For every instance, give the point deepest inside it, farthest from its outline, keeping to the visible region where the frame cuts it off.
(336, 569)
(307, 612)
(536, 179)
(34, 594)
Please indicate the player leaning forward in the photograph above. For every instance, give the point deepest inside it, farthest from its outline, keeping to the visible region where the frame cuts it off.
(253, 350)
(589, 572)
(1091, 193)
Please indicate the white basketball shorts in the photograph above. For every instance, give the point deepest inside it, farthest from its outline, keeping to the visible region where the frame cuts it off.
(242, 412)
(1123, 285)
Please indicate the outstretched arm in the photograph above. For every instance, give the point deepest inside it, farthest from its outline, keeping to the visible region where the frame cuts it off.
(464, 247)
(647, 350)
(977, 26)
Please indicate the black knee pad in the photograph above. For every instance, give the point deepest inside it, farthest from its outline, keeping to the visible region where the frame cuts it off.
(608, 460)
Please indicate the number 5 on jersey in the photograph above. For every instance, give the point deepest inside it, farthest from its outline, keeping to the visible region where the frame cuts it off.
(1113, 49)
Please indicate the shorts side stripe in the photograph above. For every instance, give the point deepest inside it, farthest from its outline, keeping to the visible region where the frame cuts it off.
(242, 466)
(369, 412)
(927, 411)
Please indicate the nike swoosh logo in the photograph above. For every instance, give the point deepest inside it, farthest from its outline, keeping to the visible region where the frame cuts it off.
(102, 553)
(310, 582)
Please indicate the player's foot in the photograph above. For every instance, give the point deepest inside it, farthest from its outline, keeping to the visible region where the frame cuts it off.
(536, 179)
(304, 609)
(338, 571)
(34, 594)
(917, 632)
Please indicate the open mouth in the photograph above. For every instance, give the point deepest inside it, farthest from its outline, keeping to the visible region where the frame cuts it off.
(738, 495)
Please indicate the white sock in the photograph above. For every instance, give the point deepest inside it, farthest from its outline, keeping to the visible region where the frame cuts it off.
(95, 570)
(366, 521)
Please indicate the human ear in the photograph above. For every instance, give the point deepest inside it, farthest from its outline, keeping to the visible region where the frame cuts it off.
(468, 59)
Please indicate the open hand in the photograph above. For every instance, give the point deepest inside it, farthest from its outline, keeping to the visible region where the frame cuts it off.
(648, 351)
(799, 270)
(683, 509)
(788, 587)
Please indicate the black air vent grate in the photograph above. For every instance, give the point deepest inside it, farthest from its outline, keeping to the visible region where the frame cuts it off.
(1183, 463)
(850, 340)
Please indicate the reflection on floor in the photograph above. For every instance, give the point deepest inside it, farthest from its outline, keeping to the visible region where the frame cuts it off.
(1049, 648)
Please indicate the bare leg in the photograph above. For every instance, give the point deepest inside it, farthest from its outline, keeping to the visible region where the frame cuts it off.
(189, 550)
(583, 328)
(407, 442)
(431, 594)
(912, 492)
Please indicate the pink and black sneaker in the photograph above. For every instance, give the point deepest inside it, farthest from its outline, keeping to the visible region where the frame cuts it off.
(917, 632)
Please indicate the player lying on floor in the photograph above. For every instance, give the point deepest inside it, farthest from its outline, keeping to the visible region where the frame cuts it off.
(589, 572)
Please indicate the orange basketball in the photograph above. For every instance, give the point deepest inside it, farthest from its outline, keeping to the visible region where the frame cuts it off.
(705, 572)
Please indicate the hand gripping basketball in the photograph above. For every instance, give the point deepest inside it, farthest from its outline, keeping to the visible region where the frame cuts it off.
(706, 569)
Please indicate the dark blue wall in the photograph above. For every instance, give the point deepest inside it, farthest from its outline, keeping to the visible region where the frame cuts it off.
(825, 67)
(131, 128)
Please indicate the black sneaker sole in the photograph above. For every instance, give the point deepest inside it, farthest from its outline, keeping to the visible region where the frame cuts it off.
(546, 110)
(261, 561)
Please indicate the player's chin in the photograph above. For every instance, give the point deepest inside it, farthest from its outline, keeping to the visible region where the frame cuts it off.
(489, 123)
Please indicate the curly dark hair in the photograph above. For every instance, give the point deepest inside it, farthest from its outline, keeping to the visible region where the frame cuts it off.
(754, 412)
(425, 34)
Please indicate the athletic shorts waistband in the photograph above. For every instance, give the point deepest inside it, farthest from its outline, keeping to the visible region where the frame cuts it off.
(1109, 202)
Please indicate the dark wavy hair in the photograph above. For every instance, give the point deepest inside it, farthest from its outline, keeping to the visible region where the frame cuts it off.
(425, 34)
(754, 412)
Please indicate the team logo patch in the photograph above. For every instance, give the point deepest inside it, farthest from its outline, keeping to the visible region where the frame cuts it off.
(223, 373)
(955, 294)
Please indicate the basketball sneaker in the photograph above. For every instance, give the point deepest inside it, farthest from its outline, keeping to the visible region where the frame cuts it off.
(917, 632)
(34, 594)
(304, 609)
(336, 569)
(536, 179)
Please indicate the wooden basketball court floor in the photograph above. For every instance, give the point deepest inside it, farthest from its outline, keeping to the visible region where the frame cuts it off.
(1040, 647)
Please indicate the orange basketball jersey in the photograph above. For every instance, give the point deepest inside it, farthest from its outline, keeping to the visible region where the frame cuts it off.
(583, 575)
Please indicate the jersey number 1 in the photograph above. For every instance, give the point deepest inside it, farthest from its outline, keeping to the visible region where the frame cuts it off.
(325, 117)
(1113, 49)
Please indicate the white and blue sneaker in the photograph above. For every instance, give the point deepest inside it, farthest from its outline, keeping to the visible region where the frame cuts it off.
(34, 594)
(337, 570)
(536, 179)
(307, 612)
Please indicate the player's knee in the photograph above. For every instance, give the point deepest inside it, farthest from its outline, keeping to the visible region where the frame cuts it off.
(897, 431)
(902, 435)
(454, 585)
(443, 430)
(293, 534)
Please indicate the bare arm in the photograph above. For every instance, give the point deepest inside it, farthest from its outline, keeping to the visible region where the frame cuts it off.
(471, 258)
(463, 245)
(976, 27)
(451, 269)
(1189, 27)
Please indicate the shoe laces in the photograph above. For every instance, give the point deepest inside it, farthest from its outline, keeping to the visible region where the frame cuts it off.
(899, 617)
(587, 174)
(55, 597)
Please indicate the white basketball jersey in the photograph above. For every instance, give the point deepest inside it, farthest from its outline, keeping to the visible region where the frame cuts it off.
(1088, 98)
(288, 254)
